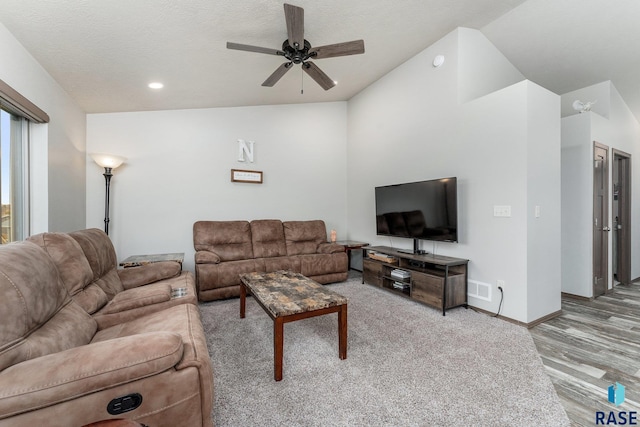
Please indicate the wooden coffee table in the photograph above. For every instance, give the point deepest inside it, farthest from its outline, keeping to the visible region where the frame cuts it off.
(286, 297)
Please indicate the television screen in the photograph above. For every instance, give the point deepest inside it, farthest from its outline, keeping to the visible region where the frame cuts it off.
(425, 210)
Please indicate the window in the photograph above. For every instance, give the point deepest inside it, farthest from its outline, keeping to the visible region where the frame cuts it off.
(16, 115)
(13, 173)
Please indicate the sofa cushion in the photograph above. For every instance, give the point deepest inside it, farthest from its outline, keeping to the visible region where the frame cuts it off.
(74, 269)
(138, 297)
(44, 319)
(291, 263)
(141, 301)
(230, 240)
(267, 236)
(101, 255)
(303, 237)
(212, 276)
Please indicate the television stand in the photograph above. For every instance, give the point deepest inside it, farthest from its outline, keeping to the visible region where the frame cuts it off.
(435, 280)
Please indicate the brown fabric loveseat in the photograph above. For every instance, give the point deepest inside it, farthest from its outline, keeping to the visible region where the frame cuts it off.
(226, 249)
(64, 361)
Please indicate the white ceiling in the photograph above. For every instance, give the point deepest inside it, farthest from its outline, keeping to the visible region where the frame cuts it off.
(104, 53)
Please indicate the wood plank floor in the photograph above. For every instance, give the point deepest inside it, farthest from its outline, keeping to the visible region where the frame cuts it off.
(590, 346)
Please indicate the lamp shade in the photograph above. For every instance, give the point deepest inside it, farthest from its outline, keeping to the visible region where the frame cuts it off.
(107, 160)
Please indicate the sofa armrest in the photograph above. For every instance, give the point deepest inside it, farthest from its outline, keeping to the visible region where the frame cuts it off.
(87, 369)
(133, 277)
(206, 257)
(330, 248)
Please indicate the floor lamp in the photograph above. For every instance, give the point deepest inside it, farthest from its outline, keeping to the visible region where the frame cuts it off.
(108, 162)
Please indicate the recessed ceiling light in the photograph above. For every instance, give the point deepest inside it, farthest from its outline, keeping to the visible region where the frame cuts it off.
(156, 85)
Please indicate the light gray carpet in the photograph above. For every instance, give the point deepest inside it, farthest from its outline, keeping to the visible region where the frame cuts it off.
(407, 365)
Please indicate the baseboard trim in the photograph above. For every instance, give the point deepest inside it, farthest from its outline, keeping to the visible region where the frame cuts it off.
(576, 297)
(544, 319)
(517, 322)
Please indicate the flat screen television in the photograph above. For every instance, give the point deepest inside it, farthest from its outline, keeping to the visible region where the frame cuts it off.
(424, 210)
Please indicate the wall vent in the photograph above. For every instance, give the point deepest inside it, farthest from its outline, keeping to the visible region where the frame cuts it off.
(479, 290)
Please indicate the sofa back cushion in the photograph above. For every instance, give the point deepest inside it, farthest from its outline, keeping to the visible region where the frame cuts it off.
(38, 315)
(230, 240)
(303, 237)
(101, 255)
(267, 236)
(73, 268)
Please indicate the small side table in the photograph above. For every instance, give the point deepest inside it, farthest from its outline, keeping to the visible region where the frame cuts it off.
(350, 245)
(138, 260)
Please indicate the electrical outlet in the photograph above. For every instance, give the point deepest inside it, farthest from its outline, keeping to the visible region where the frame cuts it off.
(502, 211)
(500, 284)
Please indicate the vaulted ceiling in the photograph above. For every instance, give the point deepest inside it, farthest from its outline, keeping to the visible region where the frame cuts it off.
(104, 53)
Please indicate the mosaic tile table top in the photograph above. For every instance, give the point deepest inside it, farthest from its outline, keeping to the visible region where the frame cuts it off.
(138, 260)
(284, 293)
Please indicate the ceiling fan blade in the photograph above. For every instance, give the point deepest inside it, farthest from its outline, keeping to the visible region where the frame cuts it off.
(355, 47)
(248, 48)
(318, 75)
(294, 16)
(277, 74)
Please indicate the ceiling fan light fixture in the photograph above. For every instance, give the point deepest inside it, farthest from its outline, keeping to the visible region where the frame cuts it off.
(297, 50)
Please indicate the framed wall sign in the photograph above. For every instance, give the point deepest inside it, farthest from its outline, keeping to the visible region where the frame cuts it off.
(239, 175)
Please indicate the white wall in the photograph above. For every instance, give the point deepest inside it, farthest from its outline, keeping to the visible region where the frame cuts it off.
(58, 168)
(610, 123)
(543, 210)
(179, 163)
(408, 126)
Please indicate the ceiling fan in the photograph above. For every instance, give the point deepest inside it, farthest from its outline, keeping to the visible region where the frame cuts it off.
(297, 50)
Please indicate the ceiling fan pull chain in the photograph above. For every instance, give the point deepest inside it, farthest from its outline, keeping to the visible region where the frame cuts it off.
(301, 82)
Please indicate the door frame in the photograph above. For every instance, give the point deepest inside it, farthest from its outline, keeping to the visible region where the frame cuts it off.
(602, 205)
(623, 251)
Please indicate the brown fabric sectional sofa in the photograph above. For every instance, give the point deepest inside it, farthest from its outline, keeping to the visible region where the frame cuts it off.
(78, 335)
(226, 249)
